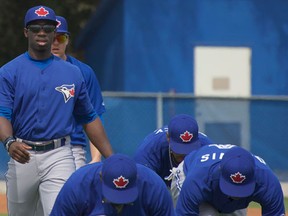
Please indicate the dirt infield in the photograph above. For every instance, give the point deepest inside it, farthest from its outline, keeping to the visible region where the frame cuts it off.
(3, 207)
(254, 212)
(3, 204)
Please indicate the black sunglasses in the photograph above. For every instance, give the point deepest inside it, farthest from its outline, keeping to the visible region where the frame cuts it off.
(38, 28)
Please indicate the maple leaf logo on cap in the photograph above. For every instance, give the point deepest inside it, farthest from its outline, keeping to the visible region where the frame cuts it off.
(121, 182)
(237, 178)
(42, 12)
(186, 136)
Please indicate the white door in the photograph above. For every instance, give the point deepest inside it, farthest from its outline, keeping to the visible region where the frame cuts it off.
(223, 72)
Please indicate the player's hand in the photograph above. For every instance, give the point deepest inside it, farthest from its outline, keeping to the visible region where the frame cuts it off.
(18, 151)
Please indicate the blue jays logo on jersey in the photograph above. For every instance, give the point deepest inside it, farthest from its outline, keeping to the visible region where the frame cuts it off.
(186, 136)
(237, 178)
(121, 182)
(68, 91)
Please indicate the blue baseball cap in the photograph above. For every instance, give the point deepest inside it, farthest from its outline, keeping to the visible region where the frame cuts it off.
(62, 26)
(119, 179)
(40, 13)
(237, 173)
(183, 134)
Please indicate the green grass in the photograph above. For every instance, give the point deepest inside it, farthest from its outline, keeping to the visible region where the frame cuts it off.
(256, 205)
(252, 205)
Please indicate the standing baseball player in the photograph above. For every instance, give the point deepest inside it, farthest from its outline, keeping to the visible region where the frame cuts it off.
(78, 138)
(40, 95)
(222, 179)
(166, 147)
(118, 186)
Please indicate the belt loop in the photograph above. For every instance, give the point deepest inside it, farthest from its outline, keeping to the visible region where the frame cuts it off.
(63, 141)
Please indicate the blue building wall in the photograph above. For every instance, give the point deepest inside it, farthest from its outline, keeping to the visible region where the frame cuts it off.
(147, 45)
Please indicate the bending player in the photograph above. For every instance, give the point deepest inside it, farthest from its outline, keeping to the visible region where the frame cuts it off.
(166, 147)
(118, 186)
(225, 179)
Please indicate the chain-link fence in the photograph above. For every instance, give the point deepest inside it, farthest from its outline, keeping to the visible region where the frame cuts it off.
(257, 123)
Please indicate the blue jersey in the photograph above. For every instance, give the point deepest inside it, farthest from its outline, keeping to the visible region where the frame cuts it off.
(202, 185)
(86, 199)
(94, 91)
(29, 90)
(154, 152)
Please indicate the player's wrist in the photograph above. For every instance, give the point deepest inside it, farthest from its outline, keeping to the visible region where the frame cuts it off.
(7, 142)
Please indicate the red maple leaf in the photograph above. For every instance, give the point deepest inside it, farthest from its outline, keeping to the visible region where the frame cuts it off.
(237, 177)
(121, 182)
(186, 136)
(41, 11)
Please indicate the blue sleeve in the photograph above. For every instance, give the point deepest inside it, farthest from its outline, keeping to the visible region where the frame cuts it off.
(148, 154)
(92, 85)
(83, 110)
(7, 90)
(155, 195)
(190, 198)
(272, 200)
(6, 112)
(67, 202)
(85, 119)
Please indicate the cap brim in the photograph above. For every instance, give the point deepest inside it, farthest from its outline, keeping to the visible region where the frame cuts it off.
(64, 32)
(120, 196)
(234, 190)
(47, 20)
(180, 148)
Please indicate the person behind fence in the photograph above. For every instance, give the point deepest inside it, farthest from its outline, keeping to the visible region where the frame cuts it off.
(224, 179)
(78, 138)
(40, 96)
(166, 147)
(116, 186)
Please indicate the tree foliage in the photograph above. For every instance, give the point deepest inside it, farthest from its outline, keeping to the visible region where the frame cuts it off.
(12, 14)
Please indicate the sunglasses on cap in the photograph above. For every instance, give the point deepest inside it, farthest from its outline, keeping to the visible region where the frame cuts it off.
(38, 28)
(61, 38)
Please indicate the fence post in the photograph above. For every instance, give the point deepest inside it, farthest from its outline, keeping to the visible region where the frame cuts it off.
(159, 107)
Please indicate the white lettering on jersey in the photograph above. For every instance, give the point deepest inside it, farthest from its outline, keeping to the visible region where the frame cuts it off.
(213, 156)
(161, 130)
(223, 146)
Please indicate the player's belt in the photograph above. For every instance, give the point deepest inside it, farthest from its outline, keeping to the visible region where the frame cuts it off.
(44, 145)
